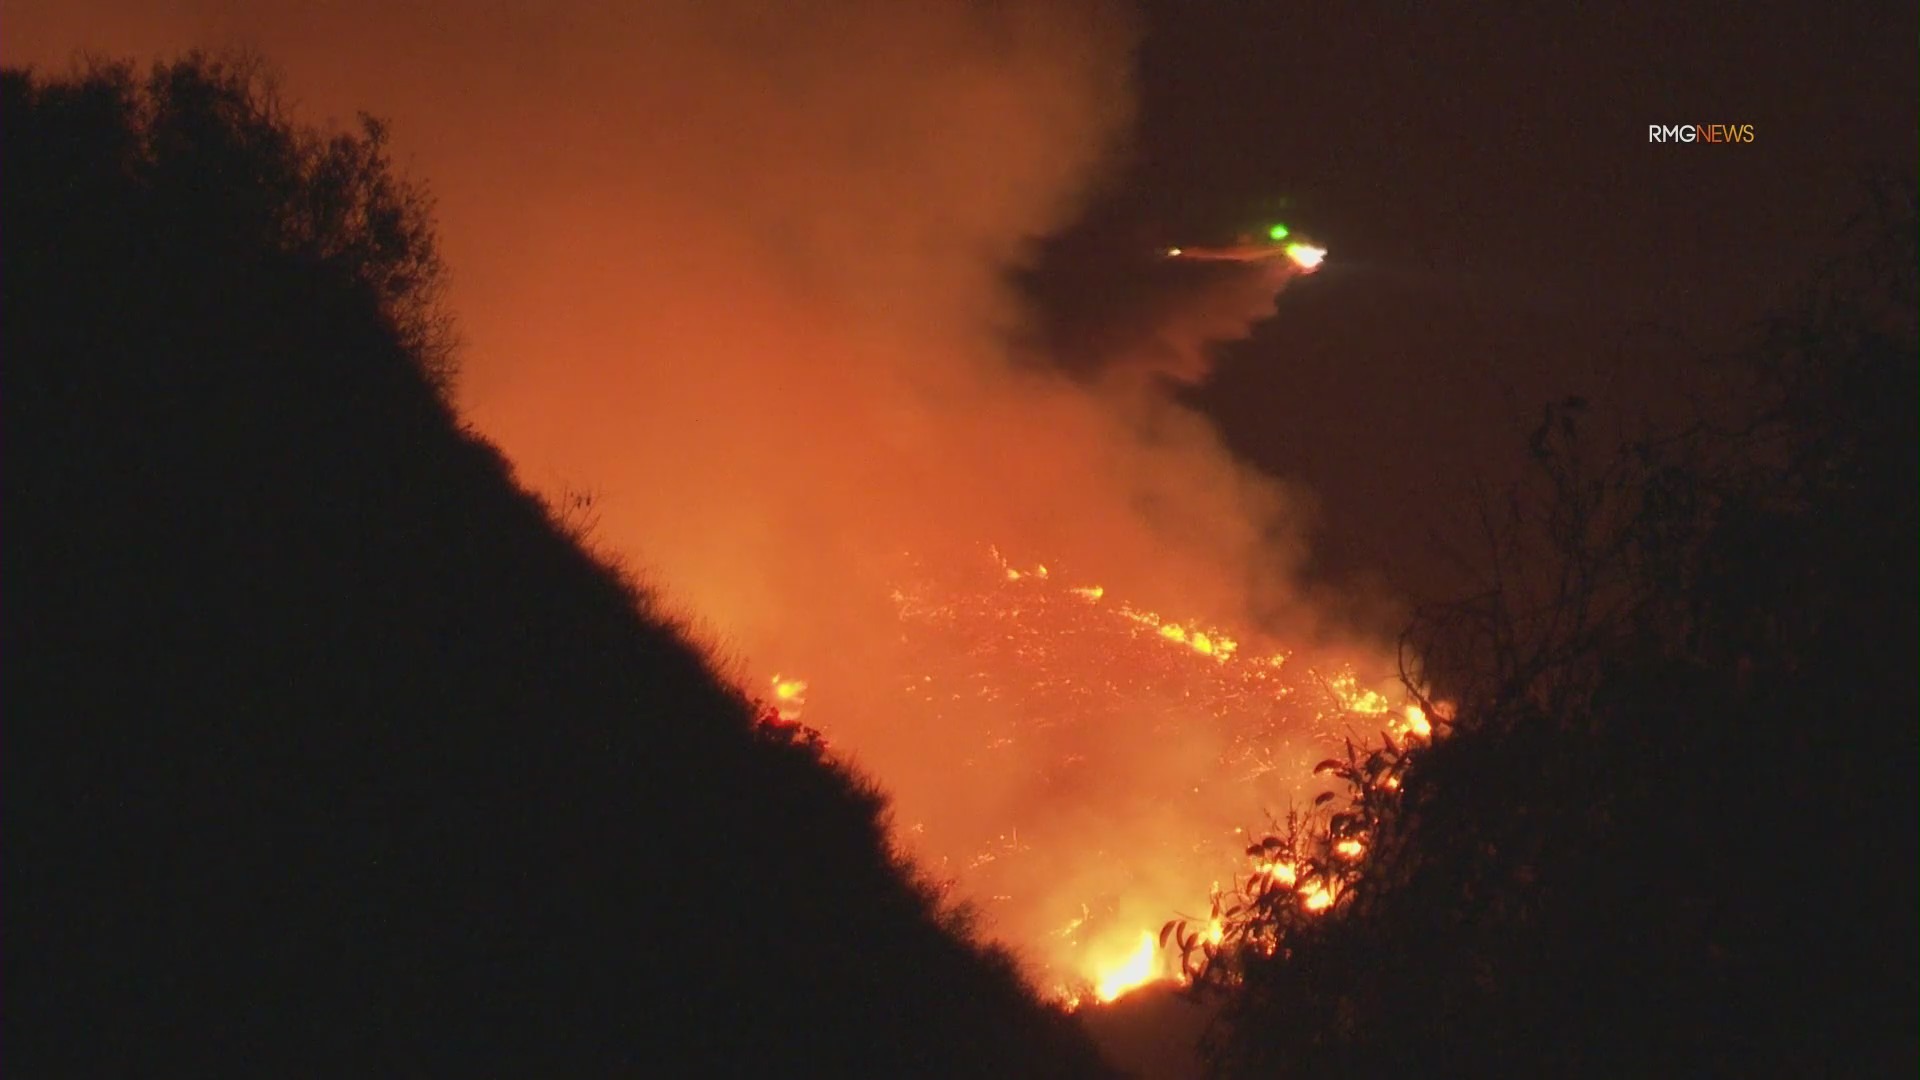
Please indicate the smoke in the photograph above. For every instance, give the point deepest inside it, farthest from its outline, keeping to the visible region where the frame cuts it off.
(1179, 343)
(741, 270)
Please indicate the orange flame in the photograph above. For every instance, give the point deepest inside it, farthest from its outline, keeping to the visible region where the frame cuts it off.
(1131, 972)
(789, 696)
(1048, 662)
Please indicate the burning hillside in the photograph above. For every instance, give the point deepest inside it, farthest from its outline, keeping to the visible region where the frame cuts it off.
(1106, 762)
(763, 300)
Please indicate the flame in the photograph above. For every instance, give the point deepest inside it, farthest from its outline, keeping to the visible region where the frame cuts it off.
(1346, 688)
(1282, 873)
(1166, 732)
(789, 696)
(1135, 970)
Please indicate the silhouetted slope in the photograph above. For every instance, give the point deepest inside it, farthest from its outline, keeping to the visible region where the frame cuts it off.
(1154, 1031)
(1672, 831)
(326, 751)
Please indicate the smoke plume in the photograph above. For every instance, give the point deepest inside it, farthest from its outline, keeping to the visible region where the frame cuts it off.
(741, 270)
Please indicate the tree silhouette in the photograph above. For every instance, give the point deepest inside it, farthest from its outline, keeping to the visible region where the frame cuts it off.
(1669, 827)
(329, 750)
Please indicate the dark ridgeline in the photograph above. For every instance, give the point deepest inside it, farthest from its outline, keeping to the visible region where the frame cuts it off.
(1673, 831)
(328, 752)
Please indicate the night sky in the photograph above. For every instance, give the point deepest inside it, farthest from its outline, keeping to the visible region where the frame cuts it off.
(1503, 232)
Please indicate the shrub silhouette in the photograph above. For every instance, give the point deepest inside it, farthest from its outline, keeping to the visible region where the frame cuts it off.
(329, 751)
(1671, 828)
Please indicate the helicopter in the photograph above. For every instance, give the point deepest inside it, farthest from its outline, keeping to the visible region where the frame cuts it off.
(1279, 242)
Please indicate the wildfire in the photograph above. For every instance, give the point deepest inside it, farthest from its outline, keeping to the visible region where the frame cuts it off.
(1139, 743)
(1281, 873)
(1353, 698)
(789, 697)
(1134, 971)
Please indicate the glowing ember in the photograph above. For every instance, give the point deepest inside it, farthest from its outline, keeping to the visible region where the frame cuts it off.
(1118, 755)
(1347, 690)
(789, 696)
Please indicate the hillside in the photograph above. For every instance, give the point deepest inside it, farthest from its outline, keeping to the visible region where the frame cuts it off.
(329, 750)
(1665, 826)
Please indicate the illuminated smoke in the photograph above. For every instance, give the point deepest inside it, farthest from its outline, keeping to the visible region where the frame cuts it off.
(741, 271)
(1108, 762)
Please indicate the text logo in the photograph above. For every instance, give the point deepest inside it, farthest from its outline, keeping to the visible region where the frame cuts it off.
(1703, 133)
